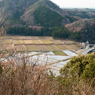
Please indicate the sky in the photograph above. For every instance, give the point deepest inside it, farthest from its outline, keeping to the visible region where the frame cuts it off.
(75, 3)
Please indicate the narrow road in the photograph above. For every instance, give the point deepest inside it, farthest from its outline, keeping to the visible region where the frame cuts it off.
(87, 50)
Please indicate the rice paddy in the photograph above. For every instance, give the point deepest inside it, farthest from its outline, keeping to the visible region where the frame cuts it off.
(28, 41)
(52, 47)
(34, 43)
(46, 41)
(59, 53)
(42, 48)
(17, 42)
(31, 48)
(20, 48)
(37, 42)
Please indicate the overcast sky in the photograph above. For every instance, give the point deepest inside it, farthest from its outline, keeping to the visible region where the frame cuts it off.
(75, 3)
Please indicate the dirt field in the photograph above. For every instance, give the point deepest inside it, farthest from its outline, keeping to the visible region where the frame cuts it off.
(31, 48)
(7, 41)
(56, 42)
(27, 41)
(46, 41)
(42, 48)
(73, 47)
(37, 42)
(20, 48)
(43, 43)
(52, 47)
(17, 42)
(62, 47)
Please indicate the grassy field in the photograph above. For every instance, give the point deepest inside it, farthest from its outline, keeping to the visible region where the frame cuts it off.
(35, 38)
(9, 47)
(42, 38)
(73, 47)
(31, 48)
(20, 47)
(37, 42)
(46, 41)
(42, 48)
(49, 38)
(17, 42)
(27, 41)
(62, 47)
(7, 41)
(56, 41)
(21, 37)
(59, 53)
(52, 47)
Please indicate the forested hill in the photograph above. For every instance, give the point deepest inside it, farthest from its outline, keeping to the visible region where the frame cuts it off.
(43, 17)
(20, 12)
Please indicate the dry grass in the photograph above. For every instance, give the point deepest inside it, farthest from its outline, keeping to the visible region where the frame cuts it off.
(17, 42)
(28, 41)
(46, 41)
(7, 41)
(56, 42)
(20, 47)
(35, 38)
(37, 42)
(42, 48)
(73, 47)
(62, 47)
(52, 47)
(31, 48)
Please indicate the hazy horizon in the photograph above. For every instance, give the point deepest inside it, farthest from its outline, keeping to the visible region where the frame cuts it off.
(75, 3)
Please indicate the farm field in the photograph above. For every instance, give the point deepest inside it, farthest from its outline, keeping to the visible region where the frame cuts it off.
(17, 42)
(62, 47)
(59, 53)
(42, 48)
(52, 47)
(27, 41)
(7, 41)
(56, 41)
(20, 48)
(35, 38)
(46, 41)
(37, 42)
(9, 47)
(73, 47)
(31, 48)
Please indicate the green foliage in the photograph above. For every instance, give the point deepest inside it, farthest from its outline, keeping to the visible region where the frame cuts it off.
(81, 66)
(47, 17)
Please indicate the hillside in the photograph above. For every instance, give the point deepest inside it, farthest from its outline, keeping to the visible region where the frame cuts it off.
(44, 18)
(20, 12)
(84, 28)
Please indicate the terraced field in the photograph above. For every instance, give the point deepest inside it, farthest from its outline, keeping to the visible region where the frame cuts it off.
(46, 41)
(42, 48)
(20, 48)
(62, 47)
(27, 41)
(37, 42)
(59, 53)
(17, 42)
(7, 42)
(52, 48)
(34, 43)
(31, 48)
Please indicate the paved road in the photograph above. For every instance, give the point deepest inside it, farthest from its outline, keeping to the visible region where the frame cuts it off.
(87, 50)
